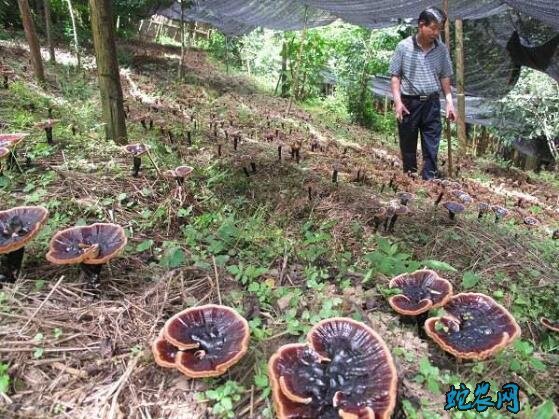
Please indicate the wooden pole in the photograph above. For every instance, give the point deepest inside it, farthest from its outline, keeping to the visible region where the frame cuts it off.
(32, 40)
(103, 31)
(48, 28)
(447, 130)
(295, 83)
(461, 123)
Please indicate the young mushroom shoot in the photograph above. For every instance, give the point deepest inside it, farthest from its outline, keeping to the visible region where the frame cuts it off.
(136, 150)
(89, 246)
(474, 327)
(345, 370)
(18, 226)
(453, 208)
(398, 210)
(421, 291)
(500, 212)
(202, 341)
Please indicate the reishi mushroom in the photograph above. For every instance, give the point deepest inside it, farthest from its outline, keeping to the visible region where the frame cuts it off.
(474, 327)
(90, 246)
(422, 291)
(180, 173)
(202, 341)
(550, 324)
(136, 150)
(47, 125)
(453, 208)
(4, 153)
(18, 226)
(345, 370)
(500, 212)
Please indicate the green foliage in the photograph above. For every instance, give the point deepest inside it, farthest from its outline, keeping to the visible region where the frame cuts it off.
(4, 378)
(224, 398)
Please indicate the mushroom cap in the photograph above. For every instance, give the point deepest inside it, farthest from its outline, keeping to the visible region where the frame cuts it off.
(164, 353)
(483, 207)
(500, 211)
(405, 197)
(475, 327)
(421, 291)
(47, 123)
(181, 171)
(4, 152)
(550, 324)
(19, 225)
(95, 244)
(464, 197)
(211, 338)
(11, 140)
(531, 221)
(136, 149)
(454, 207)
(345, 370)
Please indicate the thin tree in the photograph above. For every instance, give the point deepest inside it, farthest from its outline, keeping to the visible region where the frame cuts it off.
(102, 28)
(32, 40)
(48, 27)
(76, 46)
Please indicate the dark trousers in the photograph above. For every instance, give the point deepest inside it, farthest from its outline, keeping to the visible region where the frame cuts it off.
(425, 119)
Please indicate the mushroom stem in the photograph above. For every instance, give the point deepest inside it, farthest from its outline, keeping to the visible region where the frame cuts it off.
(235, 142)
(335, 176)
(12, 265)
(48, 131)
(137, 164)
(420, 319)
(247, 174)
(92, 274)
(219, 150)
(377, 221)
(188, 138)
(392, 222)
(279, 152)
(309, 192)
(150, 123)
(5, 81)
(439, 198)
(253, 166)
(451, 215)
(480, 215)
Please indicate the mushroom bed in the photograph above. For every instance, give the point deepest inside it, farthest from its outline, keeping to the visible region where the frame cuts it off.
(345, 368)
(476, 326)
(209, 338)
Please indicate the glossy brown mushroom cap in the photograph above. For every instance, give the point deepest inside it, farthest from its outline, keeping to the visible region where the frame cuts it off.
(20, 225)
(421, 291)
(531, 221)
(180, 172)
(454, 207)
(135, 149)
(11, 140)
(95, 244)
(164, 353)
(345, 370)
(550, 324)
(500, 211)
(4, 152)
(475, 327)
(211, 338)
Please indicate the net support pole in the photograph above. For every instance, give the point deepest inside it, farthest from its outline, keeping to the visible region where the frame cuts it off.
(447, 130)
(462, 140)
(295, 84)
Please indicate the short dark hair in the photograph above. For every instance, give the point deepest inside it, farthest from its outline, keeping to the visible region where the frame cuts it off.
(430, 15)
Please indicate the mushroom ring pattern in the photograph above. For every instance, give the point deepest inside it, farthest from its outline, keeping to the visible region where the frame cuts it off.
(345, 370)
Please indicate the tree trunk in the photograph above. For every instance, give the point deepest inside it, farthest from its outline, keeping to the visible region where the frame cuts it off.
(295, 84)
(48, 28)
(76, 46)
(461, 123)
(102, 28)
(283, 76)
(181, 61)
(32, 40)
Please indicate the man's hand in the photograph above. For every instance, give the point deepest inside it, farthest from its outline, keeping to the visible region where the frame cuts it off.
(401, 110)
(450, 112)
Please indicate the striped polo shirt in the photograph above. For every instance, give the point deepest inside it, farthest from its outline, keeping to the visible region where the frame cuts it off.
(420, 72)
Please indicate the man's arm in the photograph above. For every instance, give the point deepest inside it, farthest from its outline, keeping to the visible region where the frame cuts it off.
(399, 107)
(450, 113)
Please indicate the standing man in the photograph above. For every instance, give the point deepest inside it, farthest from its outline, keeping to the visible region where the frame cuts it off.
(420, 68)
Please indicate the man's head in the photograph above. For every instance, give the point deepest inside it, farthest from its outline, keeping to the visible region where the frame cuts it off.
(431, 22)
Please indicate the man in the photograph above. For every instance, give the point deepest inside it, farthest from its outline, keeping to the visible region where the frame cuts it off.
(420, 68)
